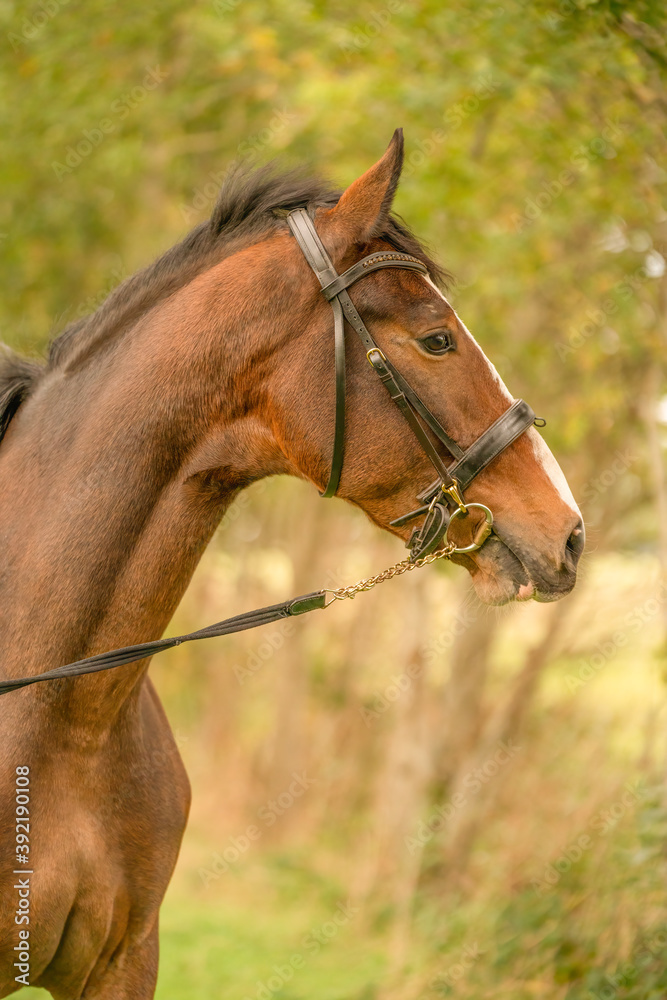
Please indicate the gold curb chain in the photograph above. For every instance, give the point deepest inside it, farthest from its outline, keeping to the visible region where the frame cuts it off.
(405, 566)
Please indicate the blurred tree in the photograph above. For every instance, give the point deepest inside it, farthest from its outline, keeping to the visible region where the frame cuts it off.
(534, 167)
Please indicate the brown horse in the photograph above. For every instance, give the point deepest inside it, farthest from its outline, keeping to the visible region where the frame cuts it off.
(202, 374)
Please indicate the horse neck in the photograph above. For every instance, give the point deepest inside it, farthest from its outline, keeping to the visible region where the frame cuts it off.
(114, 476)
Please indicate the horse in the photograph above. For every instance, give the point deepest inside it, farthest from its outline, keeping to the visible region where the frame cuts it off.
(203, 373)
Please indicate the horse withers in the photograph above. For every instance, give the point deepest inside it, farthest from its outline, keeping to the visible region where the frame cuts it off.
(198, 376)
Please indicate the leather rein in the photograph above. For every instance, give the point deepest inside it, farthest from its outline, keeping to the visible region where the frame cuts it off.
(427, 543)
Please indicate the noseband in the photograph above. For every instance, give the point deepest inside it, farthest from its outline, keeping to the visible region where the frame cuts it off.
(451, 482)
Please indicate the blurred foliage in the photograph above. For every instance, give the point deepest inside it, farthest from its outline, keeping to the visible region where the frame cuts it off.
(535, 139)
(535, 169)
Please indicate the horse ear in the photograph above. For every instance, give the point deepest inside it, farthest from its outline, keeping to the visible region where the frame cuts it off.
(363, 209)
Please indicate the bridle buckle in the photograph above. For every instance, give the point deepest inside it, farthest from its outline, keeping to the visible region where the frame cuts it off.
(375, 350)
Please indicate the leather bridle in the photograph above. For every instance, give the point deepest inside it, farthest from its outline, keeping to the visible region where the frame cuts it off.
(425, 543)
(452, 481)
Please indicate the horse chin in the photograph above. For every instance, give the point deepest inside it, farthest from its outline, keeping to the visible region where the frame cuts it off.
(499, 576)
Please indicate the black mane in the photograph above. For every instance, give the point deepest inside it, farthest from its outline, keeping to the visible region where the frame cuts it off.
(17, 378)
(250, 207)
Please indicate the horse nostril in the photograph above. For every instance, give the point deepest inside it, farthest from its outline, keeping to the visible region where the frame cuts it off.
(575, 544)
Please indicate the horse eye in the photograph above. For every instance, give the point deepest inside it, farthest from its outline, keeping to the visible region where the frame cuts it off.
(437, 343)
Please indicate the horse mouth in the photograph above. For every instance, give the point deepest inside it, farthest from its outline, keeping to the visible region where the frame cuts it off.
(501, 575)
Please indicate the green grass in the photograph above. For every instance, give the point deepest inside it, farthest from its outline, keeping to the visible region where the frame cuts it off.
(274, 932)
(600, 931)
(244, 939)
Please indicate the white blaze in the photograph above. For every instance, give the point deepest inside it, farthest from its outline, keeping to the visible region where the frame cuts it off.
(501, 385)
(553, 470)
(494, 371)
(541, 449)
